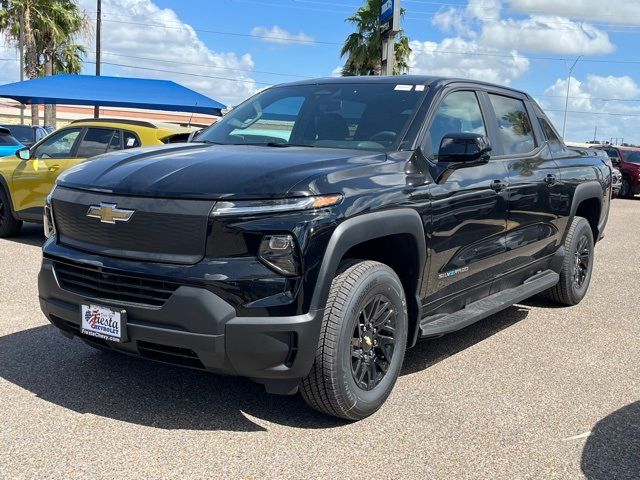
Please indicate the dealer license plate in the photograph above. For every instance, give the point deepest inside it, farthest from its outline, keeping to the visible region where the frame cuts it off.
(104, 322)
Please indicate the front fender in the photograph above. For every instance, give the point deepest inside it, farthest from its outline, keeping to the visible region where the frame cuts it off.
(362, 228)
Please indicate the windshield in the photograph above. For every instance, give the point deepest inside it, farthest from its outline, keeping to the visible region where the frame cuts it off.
(23, 134)
(631, 156)
(359, 116)
(7, 140)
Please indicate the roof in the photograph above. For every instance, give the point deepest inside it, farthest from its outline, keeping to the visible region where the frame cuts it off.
(123, 122)
(111, 92)
(397, 79)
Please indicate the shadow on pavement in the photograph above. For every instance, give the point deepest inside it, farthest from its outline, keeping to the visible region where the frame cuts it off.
(31, 234)
(79, 378)
(613, 448)
(429, 352)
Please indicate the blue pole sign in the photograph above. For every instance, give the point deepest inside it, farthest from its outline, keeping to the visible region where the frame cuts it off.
(389, 13)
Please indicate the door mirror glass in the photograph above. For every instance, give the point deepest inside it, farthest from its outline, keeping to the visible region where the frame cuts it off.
(464, 149)
(23, 154)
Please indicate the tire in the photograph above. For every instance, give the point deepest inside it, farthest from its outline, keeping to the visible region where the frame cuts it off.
(336, 384)
(9, 226)
(577, 267)
(625, 190)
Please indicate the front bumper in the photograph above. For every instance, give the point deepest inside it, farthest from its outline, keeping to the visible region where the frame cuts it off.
(196, 328)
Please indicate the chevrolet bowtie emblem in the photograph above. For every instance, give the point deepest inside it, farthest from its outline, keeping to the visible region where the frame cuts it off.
(109, 213)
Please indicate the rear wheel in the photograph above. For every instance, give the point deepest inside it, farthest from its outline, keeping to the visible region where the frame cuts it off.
(362, 343)
(577, 267)
(9, 226)
(625, 190)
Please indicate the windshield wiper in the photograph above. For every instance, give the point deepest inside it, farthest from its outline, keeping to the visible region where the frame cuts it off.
(274, 144)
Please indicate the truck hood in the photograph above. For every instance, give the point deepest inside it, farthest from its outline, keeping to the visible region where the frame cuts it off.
(211, 171)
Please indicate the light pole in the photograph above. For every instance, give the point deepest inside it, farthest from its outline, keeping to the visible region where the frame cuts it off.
(21, 53)
(566, 103)
(96, 110)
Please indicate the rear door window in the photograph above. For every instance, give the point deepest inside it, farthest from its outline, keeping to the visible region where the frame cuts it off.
(514, 124)
(130, 140)
(555, 144)
(95, 142)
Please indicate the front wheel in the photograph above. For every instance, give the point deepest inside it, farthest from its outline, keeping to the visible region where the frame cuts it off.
(577, 266)
(362, 343)
(9, 226)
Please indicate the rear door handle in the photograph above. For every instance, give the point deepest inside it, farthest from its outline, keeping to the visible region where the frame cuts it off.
(54, 168)
(497, 185)
(550, 179)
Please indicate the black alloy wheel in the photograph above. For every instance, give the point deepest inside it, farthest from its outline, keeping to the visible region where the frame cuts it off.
(362, 342)
(577, 266)
(373, 342)
(582, 259)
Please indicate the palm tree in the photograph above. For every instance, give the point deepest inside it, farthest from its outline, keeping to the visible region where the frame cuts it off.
(11, 14)
(47, 24)
(63, 21)
(363, 48)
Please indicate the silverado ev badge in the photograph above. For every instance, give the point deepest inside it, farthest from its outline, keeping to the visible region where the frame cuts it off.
(109, 213)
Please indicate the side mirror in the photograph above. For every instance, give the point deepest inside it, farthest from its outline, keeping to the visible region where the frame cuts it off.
(464, 149)
(23, 153)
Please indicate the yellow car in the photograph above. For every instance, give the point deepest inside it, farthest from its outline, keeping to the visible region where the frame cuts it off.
(27, 177)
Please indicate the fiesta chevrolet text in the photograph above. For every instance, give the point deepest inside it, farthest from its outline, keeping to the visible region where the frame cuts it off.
(321, 228)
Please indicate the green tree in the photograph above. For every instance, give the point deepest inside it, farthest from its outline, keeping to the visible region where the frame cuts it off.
(54, 34)
(363, 48)
(49, 28)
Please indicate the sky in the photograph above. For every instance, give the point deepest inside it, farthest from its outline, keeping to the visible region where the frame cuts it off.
(229, 49)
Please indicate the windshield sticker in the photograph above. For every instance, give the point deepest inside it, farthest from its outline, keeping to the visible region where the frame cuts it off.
(404, 88)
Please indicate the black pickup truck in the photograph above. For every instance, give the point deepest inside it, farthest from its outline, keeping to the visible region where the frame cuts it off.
(321, 228)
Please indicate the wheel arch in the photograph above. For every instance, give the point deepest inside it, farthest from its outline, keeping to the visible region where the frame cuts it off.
(587, 203)
(368, 237)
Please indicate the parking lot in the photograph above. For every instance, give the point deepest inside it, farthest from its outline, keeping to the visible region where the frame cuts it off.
(533, 392)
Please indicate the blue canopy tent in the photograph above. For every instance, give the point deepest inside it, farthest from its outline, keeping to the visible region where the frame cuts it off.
(111, 92)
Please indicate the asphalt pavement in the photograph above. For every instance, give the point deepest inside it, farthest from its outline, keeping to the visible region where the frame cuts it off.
(533, 392)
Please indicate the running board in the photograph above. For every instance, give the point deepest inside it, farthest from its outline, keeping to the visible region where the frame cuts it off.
(450, 322)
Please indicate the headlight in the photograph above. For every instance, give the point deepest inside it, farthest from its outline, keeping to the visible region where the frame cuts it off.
(49, 225)
(255, 207)
(280, 253)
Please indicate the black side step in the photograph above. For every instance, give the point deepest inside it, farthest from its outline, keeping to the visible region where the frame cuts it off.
(450, 322)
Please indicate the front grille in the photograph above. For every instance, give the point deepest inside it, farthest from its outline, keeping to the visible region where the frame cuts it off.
(98, 283)
(162, 230)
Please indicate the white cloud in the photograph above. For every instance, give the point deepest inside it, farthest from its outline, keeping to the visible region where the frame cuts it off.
(546, 34)
(618, 12)
(480, 63)
(129, 30)
(9, 65)
(276, 34)
(482, 19)
(592, 97)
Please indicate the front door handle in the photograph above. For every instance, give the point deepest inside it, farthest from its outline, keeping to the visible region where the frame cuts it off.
(497, 185)
(550, 179)
(54, 168)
